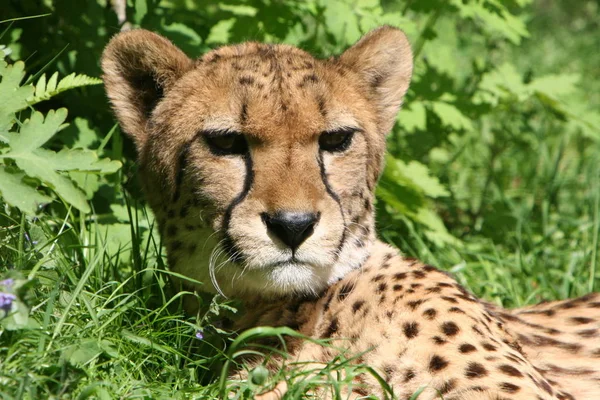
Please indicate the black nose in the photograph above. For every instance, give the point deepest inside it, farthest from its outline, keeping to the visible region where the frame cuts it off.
(292, 228)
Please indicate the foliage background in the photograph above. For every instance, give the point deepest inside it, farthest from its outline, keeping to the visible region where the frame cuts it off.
(493, 173)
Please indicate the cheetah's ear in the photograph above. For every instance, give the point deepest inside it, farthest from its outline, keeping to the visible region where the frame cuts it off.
(383, 59)
(139, 67)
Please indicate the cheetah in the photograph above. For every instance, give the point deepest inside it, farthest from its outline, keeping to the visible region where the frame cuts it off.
(260, 163)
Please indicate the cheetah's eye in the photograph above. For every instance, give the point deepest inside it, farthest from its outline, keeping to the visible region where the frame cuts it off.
(335, 141)
(229, 143)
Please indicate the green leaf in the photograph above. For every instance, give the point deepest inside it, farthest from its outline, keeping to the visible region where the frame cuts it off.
(36, 131)
(342, 21)
(414, 117)
(34, 161)
(81, 353)
(45, 91)
(414, 174)
(18, 317)
(192, 38)
(220, 31)
(77, 160)
(33, 165)
(141, 9)
(13, 97)
(450, 115)
(503, 82)
(498, 21)
(555, 86)
(18, 193)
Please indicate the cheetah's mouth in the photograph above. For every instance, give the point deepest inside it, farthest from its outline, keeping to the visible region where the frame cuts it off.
(291, 262)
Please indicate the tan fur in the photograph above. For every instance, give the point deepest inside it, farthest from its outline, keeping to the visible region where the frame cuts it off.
(410, 320)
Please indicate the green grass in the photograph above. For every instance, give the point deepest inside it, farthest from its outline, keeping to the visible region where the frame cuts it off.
(96, 316)
(109, 331)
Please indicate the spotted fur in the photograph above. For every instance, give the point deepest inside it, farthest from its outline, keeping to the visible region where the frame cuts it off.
(415, 325)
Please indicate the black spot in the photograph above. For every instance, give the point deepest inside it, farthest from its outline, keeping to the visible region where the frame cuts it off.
(588, 333)
(377, 80)
(244, 113)
(447, 386)
(449, 299)
(419, 274)
(246, 80)
(345, 290)
(414, 304)
(466, 348)
(488, 346)
(310, 78)
(411, 329)
(478, 388)
(455, 310)
(564, 396)
(475, 370)
(388, 370)
(467, 297)
(382, 287)
(477, 330)
(332, 328)
(450, 328)
(510, 370)
(328, 301)
(357, 305)
(437, 363)
(176, 245)
(400, 276)
(439, 340)
(430, 313)
(509, 387)
(377, 278)
(409, 375)
(397, 288)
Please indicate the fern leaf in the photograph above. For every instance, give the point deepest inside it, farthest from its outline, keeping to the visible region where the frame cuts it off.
(13, 98)
(52, 82)
(36, 131)
(45, 91)
(17, 193)
(47, 165)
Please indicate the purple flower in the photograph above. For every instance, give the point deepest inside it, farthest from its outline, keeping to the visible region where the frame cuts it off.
(7, 282)
(199, 335)
(6, 300)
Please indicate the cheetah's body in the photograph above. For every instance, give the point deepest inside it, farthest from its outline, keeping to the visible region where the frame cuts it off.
(419, 328)
(260, 164)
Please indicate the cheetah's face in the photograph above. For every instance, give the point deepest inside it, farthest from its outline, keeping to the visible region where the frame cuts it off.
(259, 160)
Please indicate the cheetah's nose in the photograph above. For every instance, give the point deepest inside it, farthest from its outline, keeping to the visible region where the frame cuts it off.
(291, 227)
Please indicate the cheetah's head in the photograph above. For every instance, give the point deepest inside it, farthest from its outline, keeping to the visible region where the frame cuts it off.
(259, 160)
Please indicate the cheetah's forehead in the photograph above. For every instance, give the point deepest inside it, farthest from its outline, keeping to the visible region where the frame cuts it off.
(271, 91)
